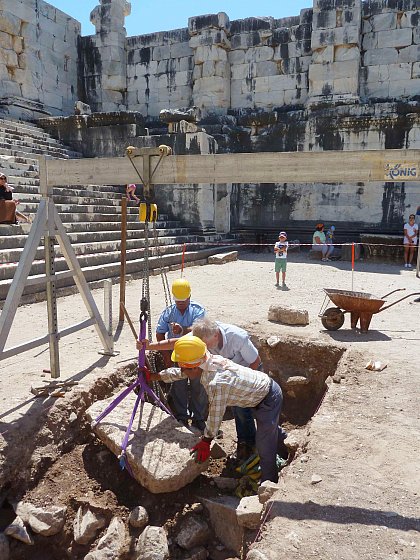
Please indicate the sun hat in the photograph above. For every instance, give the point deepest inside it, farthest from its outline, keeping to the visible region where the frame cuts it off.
(283, 234)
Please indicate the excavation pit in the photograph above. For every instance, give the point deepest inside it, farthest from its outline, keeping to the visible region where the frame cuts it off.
(87, 474)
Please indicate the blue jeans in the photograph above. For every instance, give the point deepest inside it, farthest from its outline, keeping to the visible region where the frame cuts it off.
(270, 437)
(245, 425)
(185, 404)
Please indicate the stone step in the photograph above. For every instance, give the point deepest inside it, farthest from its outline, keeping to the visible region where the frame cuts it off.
(88, 199)
(30, 135)
(11, 162)
(11, 256)
(12, 236)
(80, 209)
(68, 154)
(24, 127)
(31, 185)
(23, 146)
(112, 270)
(8, 269)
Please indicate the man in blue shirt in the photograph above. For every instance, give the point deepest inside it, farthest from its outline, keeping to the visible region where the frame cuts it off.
(174, 322)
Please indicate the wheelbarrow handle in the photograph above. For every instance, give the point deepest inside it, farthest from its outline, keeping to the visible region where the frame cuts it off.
(393, 292)
(398, 301)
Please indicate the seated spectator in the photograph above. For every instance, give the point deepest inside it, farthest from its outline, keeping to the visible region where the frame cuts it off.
(319, 243)
(8, 212)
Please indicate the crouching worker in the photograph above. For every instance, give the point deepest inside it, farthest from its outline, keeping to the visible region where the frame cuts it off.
(229, 384)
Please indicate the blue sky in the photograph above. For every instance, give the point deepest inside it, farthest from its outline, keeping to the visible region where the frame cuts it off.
(148, 16)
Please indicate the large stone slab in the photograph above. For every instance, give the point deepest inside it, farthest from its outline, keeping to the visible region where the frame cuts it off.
(159, 448)
(223, 258)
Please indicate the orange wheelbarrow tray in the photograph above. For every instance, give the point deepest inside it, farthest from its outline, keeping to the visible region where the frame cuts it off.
(361, 306)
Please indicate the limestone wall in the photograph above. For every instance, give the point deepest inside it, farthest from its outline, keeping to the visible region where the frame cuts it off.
(38, 57)
(391, 50)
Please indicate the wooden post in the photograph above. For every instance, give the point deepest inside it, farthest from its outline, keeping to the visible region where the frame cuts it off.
(352, 265)
(123, 255)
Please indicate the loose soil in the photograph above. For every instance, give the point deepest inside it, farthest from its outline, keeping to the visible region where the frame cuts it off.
(363, 442)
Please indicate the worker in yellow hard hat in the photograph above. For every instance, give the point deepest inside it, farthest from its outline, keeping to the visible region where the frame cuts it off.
(175, 321)
(229, 384)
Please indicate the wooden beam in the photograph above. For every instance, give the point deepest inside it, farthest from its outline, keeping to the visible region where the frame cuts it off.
(265, 167)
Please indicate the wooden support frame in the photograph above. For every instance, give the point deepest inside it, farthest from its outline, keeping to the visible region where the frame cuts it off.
(48, 225)
(293, 167)
(297, 167)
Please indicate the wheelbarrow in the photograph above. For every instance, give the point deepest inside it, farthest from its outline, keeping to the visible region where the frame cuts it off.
(361, 306)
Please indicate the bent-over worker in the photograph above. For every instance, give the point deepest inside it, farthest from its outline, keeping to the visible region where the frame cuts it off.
(234, 343)
(229, 384)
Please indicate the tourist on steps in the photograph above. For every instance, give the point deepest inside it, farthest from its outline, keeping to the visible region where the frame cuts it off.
(6, 193)
(174, 322)
(229, 384)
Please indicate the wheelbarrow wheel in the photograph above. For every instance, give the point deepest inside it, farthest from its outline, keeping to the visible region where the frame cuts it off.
(333, 318)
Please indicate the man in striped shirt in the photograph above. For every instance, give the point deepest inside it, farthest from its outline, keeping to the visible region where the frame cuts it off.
(229, 384)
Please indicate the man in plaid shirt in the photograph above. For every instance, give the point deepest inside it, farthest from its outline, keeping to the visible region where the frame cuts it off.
(229, 384)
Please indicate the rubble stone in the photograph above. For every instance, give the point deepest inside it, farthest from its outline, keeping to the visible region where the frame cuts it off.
(249, 512)
(193, 532)
(266, 491)
(46, 521)
(287, 315)
(225, 483)
(86, 525)
(139, 517)
(18, 531)
(4, 547)
(112, 544)
(159, 448)
(152, 544)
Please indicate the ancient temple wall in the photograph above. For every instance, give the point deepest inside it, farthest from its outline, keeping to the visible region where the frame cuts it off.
(391, 50)
(159, 72)
(38, 57)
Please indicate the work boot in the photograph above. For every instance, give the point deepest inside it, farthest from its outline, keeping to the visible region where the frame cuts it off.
(243, 451)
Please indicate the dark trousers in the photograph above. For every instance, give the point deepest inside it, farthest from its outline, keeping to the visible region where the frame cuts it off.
(270, 436)
(245, 425)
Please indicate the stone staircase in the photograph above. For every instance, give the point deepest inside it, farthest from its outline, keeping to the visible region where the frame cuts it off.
(91, 216)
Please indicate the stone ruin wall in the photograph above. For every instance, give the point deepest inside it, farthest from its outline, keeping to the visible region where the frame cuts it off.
(38, 58)
(343, 75)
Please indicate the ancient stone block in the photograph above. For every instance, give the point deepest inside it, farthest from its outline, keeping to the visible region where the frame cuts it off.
(409, 54)
(416, 70)
(222, 512)
(203, 54)
(267, 68)
(377, 90)
(384, 22)
(249, 512)
(288, 315)
(198, 23)
(180, 50)
(223, 258)
(325, 20)
(410, 18)
(323, 55)
(346, 52)
(18, 531)
(416, 35)
(404, 88)
(395, 38)
(242, 71)
(370, 41)
(381, 56)
(236, 57)
(259, 54)
(159, 449)
(9, 23)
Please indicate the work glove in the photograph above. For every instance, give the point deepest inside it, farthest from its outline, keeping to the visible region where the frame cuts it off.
(146, 373)
(201, 451)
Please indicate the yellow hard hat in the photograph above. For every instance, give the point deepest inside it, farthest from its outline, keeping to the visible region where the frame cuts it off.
(181, 289)
(189, 351)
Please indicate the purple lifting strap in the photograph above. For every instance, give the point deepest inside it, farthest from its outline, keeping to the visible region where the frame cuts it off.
(140, 382)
